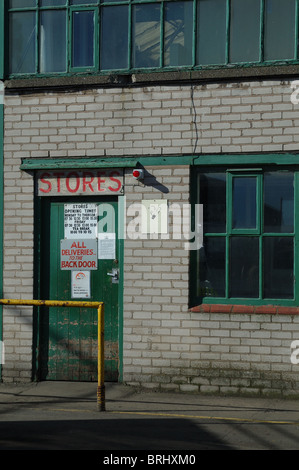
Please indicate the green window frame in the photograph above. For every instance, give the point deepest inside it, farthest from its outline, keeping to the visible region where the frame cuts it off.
(151, 34)
(250, 236)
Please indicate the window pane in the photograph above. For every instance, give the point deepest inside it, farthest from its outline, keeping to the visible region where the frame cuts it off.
(114, 40)
(212, 267)
(178, 30)
(244, 202)
(83, 2)
(211, 32)
(244, 267)
(213, 197)
(278, 267)
(279, 202)
(279, 29)
(53, 41)
(83, 39)
(245, 30)
(22, 3)
(146, 36)
(22, 37)
(52, 3)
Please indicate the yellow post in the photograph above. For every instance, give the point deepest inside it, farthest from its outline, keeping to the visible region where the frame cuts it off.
(67, 303)
(101, 380)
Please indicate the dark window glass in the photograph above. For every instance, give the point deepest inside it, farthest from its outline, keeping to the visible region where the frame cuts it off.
(52, 3)
(83, 39)
(245, 30)
(146, 35)
(244, 267)
(213, 197)
(212, 267)
(83, 2)
(114, 37)
(22, 41)
(178, 33)
(279, 202)
(278, 267)
(279, 40)
(22, 3)
(244, 203)
(211, 31)
(53, 41)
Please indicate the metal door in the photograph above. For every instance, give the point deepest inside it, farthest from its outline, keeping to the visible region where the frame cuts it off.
(68, 336)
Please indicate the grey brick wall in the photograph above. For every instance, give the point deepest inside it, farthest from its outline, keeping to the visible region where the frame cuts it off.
(165, 345)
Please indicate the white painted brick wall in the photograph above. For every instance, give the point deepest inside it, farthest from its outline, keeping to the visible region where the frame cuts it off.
(165, 345)
(214, 118)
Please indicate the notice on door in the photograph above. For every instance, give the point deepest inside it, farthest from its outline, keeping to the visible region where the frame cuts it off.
(79, 254)
(80, 221)
(106, 245)
(80, 284)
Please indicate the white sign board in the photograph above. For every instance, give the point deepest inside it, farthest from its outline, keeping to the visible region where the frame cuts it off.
(106, 245)
(78, 254)
(80, 284)
(80, 221)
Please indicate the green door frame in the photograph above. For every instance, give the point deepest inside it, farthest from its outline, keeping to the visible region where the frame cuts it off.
(2, 35)
(37, 288)
(1, 216)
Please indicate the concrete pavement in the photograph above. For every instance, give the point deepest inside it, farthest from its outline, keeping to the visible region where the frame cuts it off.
(64, 416)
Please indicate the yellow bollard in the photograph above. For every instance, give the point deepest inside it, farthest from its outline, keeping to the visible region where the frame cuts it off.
(66, 303)
(101, 382)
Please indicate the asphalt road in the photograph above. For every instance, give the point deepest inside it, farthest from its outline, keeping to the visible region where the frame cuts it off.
(64, 416)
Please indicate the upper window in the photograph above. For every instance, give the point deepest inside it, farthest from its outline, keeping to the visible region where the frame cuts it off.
(249, 244)
(66, 36)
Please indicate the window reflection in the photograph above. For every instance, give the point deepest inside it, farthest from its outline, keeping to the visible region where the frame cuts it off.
(178, 33)
(157, 34)
(53, 41)
(146, 36)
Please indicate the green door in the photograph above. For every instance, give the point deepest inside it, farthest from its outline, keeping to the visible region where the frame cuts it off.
(68, 335)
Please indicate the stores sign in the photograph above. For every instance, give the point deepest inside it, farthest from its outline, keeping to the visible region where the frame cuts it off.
(79, 182)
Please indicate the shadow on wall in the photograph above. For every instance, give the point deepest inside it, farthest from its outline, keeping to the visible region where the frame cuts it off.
(151, 180)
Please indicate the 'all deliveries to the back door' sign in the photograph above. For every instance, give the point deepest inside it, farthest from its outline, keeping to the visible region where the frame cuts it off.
(78, 254)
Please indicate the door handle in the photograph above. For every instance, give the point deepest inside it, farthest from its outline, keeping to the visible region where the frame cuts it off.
(115, 275)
